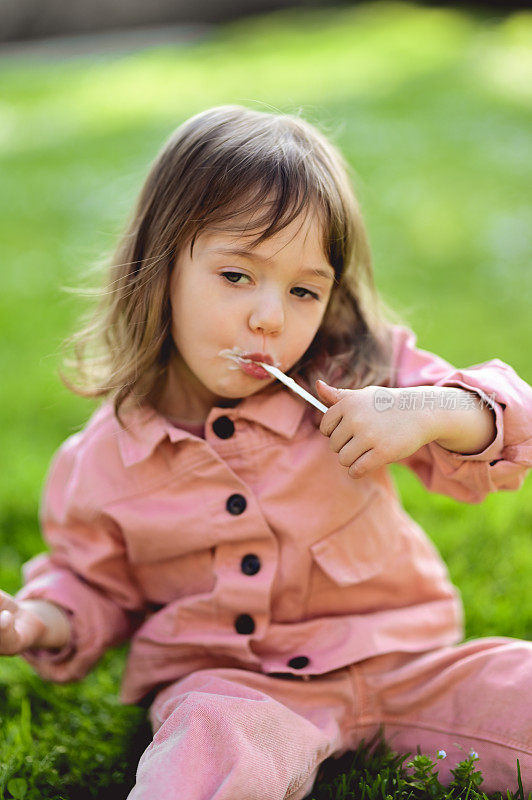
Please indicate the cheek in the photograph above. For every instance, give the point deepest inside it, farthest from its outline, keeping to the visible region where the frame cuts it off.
(196, 326)
(191, 310)
(309, 330)
(298, 339)
(186, 327)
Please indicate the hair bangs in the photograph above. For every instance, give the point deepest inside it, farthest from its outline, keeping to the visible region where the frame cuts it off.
(256, 206)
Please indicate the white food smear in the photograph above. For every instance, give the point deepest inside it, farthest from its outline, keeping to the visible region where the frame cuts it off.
(236, 354)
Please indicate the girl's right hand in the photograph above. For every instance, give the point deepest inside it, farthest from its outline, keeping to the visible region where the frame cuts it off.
(20, 628)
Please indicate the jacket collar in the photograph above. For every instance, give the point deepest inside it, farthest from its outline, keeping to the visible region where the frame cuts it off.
(274, 408)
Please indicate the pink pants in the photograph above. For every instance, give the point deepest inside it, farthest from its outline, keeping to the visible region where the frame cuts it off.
(231, 734)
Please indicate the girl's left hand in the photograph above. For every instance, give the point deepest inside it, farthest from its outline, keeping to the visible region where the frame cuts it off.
(366, 437)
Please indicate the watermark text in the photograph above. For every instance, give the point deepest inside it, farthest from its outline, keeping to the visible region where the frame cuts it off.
(417, 399)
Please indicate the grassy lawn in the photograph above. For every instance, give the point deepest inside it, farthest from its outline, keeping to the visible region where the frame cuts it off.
(432, 109)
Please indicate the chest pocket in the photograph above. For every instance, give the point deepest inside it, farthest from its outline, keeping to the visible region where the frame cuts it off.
(363, 546)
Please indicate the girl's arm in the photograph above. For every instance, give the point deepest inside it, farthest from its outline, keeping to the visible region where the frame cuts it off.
(467, 429)
(447, 464)
(464, 432)
(86, 573)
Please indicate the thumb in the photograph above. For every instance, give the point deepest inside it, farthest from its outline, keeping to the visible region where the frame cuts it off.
(328, 393)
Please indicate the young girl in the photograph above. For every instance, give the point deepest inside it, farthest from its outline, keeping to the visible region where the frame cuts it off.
(281, 604)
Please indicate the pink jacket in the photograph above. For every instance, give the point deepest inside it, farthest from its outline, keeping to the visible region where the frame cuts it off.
(252, 548)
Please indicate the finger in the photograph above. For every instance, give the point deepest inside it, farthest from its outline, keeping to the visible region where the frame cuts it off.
(18, 631)
(8, 634)
(330, 421)
(7, 602)
(349, 453)
(6, 618)
(27, 628)
(364, 464)
(340, 437)
(329, 394)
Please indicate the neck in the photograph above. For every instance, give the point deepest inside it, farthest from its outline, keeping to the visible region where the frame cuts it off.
(184, 399)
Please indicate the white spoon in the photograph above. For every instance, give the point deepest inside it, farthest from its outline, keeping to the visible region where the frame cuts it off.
(295, 387)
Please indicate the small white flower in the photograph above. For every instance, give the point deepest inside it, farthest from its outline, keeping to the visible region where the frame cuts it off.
(473, 754)
(442, 754)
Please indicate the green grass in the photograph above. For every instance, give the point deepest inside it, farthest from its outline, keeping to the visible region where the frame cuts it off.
(374, 772)
(432, 109)
(63, 742)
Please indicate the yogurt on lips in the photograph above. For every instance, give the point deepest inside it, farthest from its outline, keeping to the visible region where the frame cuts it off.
(247, 362)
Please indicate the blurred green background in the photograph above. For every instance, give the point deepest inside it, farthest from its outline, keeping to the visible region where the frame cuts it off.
(432, 108)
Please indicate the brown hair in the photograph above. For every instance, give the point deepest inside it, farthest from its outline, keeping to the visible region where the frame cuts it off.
(218, 165)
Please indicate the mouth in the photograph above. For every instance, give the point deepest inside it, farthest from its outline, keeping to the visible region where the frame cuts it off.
(247, 362)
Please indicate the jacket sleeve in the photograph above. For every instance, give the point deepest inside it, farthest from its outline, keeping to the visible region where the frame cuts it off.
(505, 462)
(86, 573)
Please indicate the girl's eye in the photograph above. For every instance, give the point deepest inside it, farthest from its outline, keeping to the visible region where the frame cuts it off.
(310, 294)
(233, 277)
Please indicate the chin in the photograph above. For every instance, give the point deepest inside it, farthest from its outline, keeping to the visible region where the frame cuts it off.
(233, 393)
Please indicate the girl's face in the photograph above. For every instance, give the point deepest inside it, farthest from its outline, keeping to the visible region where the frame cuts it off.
(267, 300)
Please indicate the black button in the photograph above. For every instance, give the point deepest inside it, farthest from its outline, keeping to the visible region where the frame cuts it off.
(244, 624)
(298, 662)
(250, 564)
(236, 504)
(223, 427)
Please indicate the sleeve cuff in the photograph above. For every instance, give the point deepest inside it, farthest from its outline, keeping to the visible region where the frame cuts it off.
(493, 451)
(96, 622)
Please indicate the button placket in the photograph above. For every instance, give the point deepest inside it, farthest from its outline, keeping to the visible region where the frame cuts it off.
(249, 565)
(244, 623)
(246, 534)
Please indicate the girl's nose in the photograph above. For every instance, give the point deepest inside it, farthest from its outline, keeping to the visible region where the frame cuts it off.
(267, 314)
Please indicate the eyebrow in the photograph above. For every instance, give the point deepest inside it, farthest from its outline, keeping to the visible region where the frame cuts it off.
(235, 251)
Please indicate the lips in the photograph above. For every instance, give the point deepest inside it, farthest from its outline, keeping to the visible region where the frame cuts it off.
(265, 357)
(247, 362)
(250, 367)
